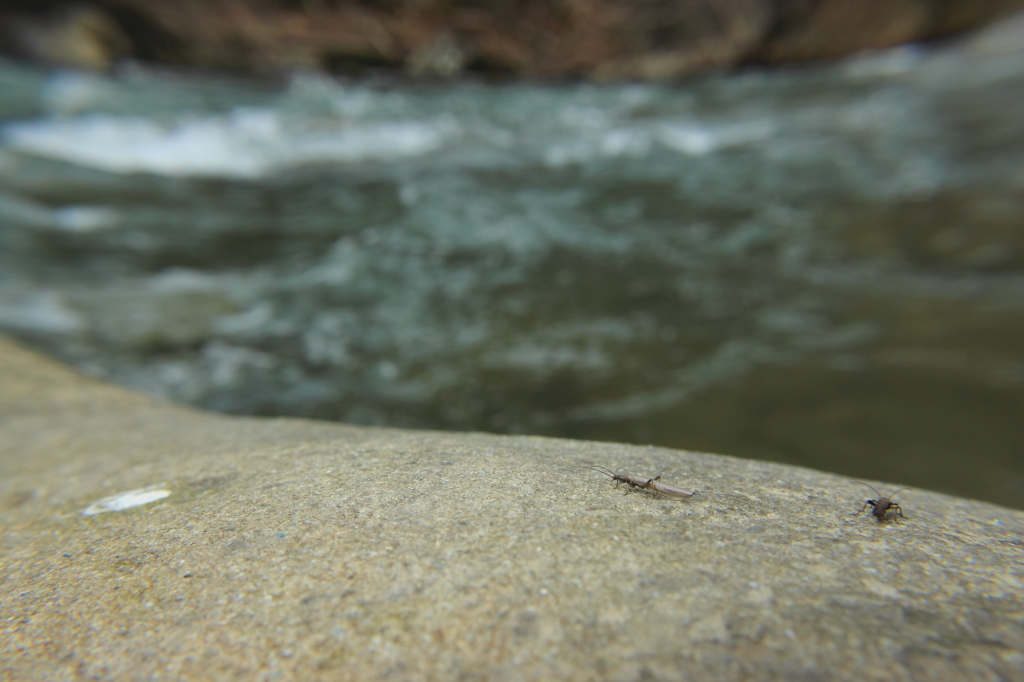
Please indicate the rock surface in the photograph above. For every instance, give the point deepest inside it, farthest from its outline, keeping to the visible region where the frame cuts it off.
(292, 549)
(597, 39)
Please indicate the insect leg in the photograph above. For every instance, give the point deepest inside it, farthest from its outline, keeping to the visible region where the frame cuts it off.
(861, 510)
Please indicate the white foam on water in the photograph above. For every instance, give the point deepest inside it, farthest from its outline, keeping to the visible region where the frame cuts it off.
(584, 147)
(127, 500)
(68, 92)
(42, 311)
(84, 219)
(178, 280)
(16, 210)
(689, 139)
(247, 143)
(697, 140)
(884, 63)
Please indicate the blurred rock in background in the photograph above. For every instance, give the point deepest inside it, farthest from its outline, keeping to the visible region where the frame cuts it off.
(550, 39)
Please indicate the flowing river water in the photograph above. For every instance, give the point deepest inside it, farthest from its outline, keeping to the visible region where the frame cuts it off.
(822, 266)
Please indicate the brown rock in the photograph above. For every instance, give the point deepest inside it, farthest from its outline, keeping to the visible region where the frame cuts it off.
(825, 29)
(77, 36)
(598, 39)
(834, 28)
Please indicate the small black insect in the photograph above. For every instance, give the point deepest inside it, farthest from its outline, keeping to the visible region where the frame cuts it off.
(882, 505)
(654, 484)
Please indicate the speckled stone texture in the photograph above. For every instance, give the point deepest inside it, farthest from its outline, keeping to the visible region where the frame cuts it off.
(297, 550)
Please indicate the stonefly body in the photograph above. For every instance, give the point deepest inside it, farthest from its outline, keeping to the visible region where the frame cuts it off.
(654, 484)
(882, 505)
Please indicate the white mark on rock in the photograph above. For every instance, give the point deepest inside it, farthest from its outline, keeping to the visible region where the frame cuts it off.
(880, 588)
(126, 500)
(760, 596)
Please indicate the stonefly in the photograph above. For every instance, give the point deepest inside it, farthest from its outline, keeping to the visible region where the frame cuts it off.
(654, 484)
(882, 505)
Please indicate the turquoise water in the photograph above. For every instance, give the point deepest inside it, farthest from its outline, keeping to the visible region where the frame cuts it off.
(818, 266)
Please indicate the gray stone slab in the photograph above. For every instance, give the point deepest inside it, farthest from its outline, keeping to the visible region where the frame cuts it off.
(299, 550)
